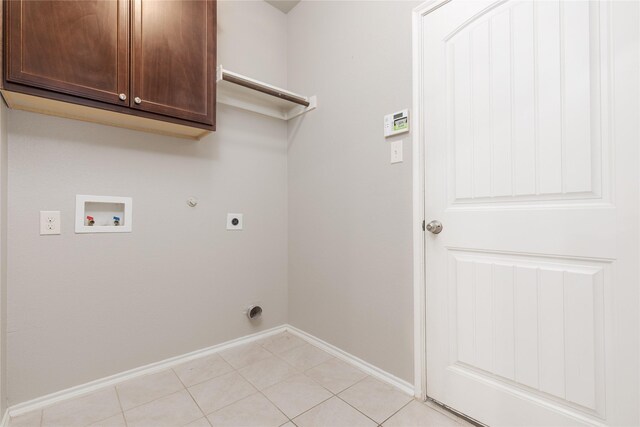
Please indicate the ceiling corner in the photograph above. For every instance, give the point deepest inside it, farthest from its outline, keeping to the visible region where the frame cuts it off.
(284, 6)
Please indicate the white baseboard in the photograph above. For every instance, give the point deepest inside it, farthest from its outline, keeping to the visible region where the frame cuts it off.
(370, 369)
(111, 380)
(5, 419)
(89, 387)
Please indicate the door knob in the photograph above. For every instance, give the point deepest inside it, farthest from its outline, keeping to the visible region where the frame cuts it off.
(434, 227)
(122, 97)
(137, 100)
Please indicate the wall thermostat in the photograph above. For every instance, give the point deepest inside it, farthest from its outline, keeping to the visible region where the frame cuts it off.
(396, 123)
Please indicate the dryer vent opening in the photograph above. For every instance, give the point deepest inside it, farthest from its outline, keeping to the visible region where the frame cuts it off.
(254, 312)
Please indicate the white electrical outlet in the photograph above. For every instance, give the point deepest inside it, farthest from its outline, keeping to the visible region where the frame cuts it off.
(234, 221)
(49, 222)
(396, 151)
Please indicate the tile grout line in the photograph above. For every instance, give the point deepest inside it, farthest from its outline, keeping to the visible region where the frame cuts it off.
(230, 404)
(304, 369)
(82, 390)
(92, 422)
(304, 372)
(301, 371)
(191, 396)
(269, 339)
(313, 407)
(318, 404)
(260, 344)
(258, 390)
(358, 410)
(234, 370)
(122, 411)
(403, 406)
(273, 354)
(121, 408)
(358, 382)
(276, 406)
(151, 401)
(205, 380)
(332, 396)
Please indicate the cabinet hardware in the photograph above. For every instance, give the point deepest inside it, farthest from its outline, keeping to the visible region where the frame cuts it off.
(137, 100)
(122, 97)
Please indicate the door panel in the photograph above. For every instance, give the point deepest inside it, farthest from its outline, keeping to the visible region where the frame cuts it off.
(531, 321)
(74, 47)
(526, 280)
(174, 58)
(525, 104)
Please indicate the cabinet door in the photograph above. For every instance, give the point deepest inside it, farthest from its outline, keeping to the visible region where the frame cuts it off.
(74, 47)
(174, 58)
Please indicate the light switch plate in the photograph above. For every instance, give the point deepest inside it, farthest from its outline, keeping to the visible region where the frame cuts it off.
(234, 221)
(49, 222)
(396, 151)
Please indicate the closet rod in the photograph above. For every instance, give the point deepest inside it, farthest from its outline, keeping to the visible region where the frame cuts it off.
(269, 91)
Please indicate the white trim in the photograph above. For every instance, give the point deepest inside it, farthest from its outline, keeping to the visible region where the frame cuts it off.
(112, 380)
(370, 369)
(419, 215)
(419, 338)
(91, 386)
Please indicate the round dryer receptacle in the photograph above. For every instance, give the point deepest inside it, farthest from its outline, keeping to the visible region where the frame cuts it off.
(254, 312)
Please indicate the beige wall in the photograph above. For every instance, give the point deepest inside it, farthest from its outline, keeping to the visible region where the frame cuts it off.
(350, 225)
(84, 306)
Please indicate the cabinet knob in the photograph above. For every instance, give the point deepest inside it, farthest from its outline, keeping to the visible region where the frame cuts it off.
(137, 100)
(122, 97)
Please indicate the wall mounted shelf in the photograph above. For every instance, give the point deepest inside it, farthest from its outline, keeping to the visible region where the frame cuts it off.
(244, 92)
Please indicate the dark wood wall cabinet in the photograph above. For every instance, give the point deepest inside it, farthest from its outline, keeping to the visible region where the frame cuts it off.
(143, 64)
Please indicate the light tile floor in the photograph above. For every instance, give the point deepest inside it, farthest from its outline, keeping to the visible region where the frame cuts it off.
(279, 381)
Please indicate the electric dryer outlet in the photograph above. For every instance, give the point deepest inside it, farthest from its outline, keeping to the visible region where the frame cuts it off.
(234, 221)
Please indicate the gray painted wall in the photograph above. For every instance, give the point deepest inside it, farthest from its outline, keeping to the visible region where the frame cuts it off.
(350, 225)
(82, 307)
(4, 146)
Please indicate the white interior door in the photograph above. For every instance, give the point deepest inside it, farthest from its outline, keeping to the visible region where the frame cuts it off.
(529, 118)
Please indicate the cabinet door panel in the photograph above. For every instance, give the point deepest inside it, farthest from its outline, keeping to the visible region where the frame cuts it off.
(173, 58)
(75, 47)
